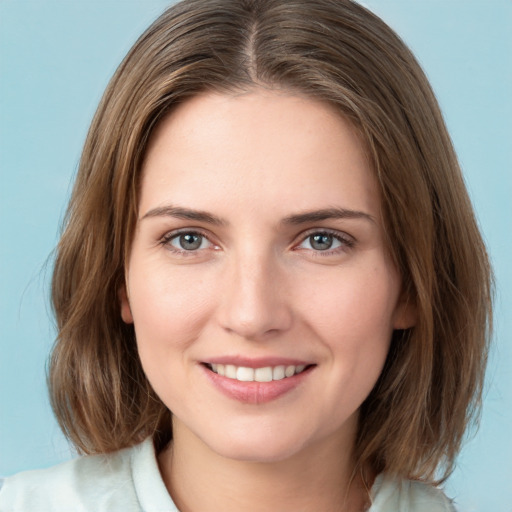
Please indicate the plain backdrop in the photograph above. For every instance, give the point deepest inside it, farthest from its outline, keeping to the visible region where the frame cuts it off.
(56, 57)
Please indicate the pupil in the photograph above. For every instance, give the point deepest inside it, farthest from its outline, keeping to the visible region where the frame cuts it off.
(321, 242)
(190, 241)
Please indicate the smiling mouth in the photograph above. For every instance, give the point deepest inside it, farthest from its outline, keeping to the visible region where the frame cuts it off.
(264, 374)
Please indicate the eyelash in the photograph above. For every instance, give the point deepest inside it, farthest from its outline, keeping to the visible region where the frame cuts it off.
(346, 241)
(169, 237)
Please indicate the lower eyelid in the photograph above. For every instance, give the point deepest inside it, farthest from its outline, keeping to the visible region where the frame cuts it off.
(166, 239)
(345, 241)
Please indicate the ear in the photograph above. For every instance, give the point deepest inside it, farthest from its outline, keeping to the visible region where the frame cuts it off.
(126, 312)
(406, 314)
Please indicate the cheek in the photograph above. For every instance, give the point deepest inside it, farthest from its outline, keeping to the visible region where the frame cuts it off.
(353, 303)
(353, 317)
(169, 307)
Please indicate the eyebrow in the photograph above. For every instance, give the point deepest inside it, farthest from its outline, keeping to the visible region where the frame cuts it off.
(186, 214)
(326, 214)
(296, 219)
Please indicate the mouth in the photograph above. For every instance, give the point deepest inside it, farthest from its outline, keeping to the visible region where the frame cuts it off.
(256, 381)
(262, 374)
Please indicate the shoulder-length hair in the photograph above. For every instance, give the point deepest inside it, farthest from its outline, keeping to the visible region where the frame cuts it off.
(335, 51)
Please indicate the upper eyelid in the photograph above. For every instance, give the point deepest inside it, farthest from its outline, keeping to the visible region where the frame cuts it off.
(334, 232)
(299, 238)
(347, 241)
(168, 235)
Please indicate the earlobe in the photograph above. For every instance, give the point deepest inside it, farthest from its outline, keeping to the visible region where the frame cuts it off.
(126, 312)
(406, 314)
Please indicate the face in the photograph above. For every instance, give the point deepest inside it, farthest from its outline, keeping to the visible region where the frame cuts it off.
(261, 292)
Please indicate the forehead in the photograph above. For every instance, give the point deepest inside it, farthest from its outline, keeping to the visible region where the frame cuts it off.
(262, 147)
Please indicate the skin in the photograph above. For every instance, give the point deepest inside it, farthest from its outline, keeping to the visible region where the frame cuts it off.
(258, 287)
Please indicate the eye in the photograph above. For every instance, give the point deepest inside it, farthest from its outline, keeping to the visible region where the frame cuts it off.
(322, 241)
(325, 241)
(186, 242)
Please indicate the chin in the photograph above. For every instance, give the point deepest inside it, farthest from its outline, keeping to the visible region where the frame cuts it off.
(266, 447)
(261, 454)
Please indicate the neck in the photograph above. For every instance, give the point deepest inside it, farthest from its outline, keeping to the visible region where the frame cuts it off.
(318, 478)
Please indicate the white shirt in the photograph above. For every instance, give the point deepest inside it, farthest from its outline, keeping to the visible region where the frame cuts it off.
(130, 481)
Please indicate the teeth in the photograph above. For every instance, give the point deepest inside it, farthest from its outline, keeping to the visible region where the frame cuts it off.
(289, 371)
(265, 374)
(244, 374)
(230, 371)
(278, 373)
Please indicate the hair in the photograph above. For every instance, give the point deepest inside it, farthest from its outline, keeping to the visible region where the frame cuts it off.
(334, 51)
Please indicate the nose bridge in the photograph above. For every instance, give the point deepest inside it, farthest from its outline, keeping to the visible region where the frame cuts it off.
(253, 303)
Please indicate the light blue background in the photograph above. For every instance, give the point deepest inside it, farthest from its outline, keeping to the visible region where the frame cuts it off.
(56, 57)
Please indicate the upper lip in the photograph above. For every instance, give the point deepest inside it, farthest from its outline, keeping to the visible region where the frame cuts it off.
(258, 362)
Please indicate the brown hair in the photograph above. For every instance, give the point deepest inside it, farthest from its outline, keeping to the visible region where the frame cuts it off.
(335, 51)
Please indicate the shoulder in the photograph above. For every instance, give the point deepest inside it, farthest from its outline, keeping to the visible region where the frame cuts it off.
(394, 495)
(95, 482)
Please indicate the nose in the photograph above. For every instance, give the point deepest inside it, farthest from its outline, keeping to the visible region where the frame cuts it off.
(255, 304)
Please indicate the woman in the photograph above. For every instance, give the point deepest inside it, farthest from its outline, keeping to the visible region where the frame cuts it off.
(269, 236)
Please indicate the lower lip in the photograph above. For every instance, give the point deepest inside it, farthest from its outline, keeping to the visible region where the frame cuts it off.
(255, 392)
